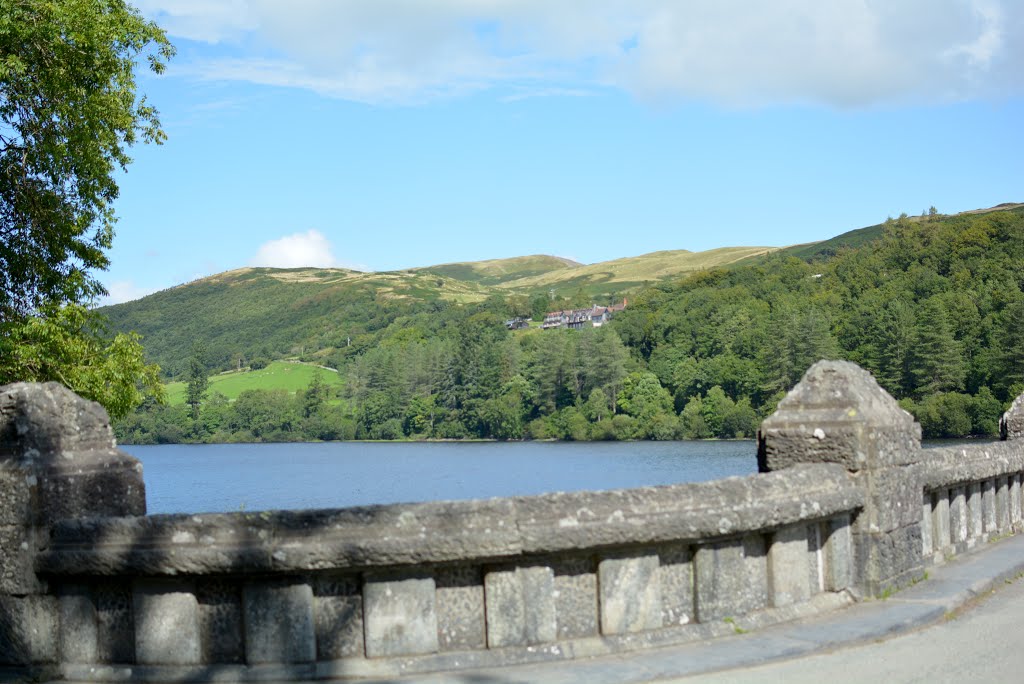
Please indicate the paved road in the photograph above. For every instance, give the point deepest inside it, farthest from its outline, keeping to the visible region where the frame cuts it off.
(983, 643)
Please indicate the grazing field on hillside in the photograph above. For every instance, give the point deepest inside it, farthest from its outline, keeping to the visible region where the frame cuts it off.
(278, 375)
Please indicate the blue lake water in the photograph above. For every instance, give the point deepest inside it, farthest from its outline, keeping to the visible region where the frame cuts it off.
(230, 477)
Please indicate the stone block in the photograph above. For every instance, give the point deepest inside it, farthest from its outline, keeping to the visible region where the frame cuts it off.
(16, 485)
(37, 419)
(460, 608)
(958, 517)
(940, 520)
(731, 578)
(17, 575)
(92, 483)
(893, 499)
(976, 525)
(400, 615)
(888, 560)
(339, 617)
(816, 535)
(630, 594)
(576, 609)
(278, 619)
(78, 635)
(927, 533)
(1002, 504)
(675, 575)
(520, 606)
(1015, 502)
(28, 630)
(115, 625)
(839, 554)
(220, 620)
(167, 626)
(988, 503)
(788, 571)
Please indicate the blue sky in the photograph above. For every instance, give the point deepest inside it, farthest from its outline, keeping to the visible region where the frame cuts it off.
(388, 134)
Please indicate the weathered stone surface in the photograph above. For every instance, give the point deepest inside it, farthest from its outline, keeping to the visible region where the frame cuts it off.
(17, 575)
(339, 617)
(575, 596)
(460, 608)
(115, 627)
(1002, 504)
(167, 626)
(17, 483)
(889, 560)
(839, 554)
(927, 524)
(68, 444)
(989, 507)
(77, 640)
(1011, 424)
(41, 419)
(220, 620)
(940, 520)
(949, 466)
(975, 512)
(400, 615)
(838, 414)
(279, 624)
(675, 575)
(788, 571)
(28, 630)
(630, 594)
(424, 533)
(893, 497)
(558, 522)
(520, 606)
(958, 517)
(731, 578)
(1015, 502)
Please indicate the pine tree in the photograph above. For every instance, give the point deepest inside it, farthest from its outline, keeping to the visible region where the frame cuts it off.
(936, 360)
(198, 381)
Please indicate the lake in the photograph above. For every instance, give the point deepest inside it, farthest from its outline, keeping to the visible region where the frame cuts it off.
(209, 478)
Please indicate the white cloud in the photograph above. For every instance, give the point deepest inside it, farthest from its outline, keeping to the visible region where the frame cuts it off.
(735, 52)
(207, 21)
(121, 291)
(309, 249)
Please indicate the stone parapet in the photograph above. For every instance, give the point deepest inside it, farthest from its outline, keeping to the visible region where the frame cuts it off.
(443, 532)
(91, 589)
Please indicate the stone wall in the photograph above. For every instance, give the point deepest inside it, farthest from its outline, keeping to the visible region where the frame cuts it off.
(92, 589)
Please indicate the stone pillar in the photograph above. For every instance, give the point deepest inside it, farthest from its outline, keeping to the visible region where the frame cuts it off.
(57, 460)
(838, 414)
(1011, 425)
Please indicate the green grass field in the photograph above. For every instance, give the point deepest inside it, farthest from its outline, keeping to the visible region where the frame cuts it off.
(278, 375)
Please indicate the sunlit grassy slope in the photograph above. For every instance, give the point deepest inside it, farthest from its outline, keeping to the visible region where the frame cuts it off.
(276, 376)
(630, 272)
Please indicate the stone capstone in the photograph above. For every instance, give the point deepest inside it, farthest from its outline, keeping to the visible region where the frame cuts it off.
(838, 413)
(1011, 424)
(65, 449)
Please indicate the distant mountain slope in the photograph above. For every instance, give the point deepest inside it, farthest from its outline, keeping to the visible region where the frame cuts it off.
(265, 312)
(496, 271)
(621, 275)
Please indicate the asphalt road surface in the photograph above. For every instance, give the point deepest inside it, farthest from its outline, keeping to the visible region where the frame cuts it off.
(984, 642)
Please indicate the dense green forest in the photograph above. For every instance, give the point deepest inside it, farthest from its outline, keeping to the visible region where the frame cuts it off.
(933, 306)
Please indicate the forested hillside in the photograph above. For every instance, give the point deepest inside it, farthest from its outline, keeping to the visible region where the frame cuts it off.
(934, 307)
(331, 315)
